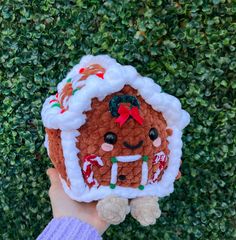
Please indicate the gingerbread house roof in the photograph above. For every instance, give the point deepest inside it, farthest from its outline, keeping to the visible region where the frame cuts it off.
(77, 93)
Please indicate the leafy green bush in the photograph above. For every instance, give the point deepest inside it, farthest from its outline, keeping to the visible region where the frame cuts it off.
(188, 48)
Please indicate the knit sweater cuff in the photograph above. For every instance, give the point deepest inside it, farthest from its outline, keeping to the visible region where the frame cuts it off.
(69, 228)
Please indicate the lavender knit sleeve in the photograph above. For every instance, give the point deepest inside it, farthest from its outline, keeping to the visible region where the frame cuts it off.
(69, 228)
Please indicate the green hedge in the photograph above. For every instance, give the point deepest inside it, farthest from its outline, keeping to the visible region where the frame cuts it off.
(188, 48)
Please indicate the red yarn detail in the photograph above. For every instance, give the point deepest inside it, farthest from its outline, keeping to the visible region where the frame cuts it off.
(57, 95)
(53, 101)
(162, 165)
(63, 110)
(81, 70)
(160, 158)
(125, 112)
(88, 171)
(90, 159)
(100, 75)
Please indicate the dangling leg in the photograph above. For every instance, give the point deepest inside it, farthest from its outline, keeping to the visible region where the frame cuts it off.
(113, 209)
(145, 210)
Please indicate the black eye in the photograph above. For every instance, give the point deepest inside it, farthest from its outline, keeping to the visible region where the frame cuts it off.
(153, 134)
(110, 138)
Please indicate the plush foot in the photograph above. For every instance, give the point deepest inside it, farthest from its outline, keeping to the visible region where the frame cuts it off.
(113, 209)
(145, 210)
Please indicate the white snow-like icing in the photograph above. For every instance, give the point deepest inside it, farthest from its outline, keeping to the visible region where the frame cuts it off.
(144, 173)
(70, 153)
(114, 170)
(130, 158)
(46, 143)
(115, 78)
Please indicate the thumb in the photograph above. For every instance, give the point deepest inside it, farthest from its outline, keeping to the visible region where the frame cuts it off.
(53, 177)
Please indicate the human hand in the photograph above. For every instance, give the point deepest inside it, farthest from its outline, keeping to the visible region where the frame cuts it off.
(63, 206)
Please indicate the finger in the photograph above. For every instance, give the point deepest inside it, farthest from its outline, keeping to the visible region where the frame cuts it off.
(55, 191)
(178, 176)
(53, 177)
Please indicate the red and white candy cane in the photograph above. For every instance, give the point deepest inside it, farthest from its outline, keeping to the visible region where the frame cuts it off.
(89, 161)
(160, 158)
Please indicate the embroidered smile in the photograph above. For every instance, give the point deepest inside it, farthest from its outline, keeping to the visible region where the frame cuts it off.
(126, 144)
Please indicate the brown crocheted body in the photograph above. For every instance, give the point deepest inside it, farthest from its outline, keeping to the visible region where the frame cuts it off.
(56, 152)
(100, 121)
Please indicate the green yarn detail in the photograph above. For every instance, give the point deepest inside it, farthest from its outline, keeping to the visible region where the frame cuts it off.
(145, 158)
(141, 187)
(114, 160)
(112, 185)
(75, 90)
(69, 80)
(56, 105)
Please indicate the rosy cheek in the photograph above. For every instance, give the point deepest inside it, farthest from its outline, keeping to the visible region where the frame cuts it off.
(157, 142)
(107, 147)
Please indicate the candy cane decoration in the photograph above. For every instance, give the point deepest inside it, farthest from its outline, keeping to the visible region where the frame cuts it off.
(89, 161)
(161, 159)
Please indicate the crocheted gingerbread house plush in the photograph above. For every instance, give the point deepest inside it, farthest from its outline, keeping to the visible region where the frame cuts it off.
(113, 134)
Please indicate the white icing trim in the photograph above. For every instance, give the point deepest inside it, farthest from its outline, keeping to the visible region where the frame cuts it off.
(73, 170)
(129, 158)
(114, 170)
(46, 143)
(115, 77)
(144, 173)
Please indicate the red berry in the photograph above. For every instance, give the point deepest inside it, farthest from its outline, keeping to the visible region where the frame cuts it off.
(81, 70)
